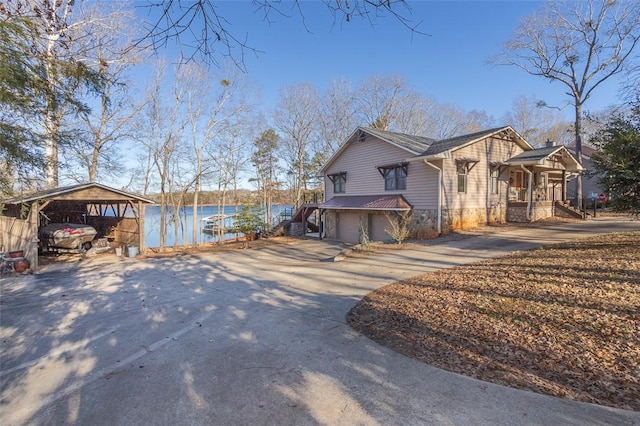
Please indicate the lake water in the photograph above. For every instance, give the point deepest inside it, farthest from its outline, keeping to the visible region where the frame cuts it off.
(152, 224)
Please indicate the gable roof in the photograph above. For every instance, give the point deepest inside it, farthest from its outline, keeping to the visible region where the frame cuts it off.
(64, 191)
(419, 147)
(414, 145)
(458, 142)
(587, 151)
(538, 155)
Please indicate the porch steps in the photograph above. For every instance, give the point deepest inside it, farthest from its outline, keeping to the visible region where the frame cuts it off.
(299, 216)
(569, 210)
(303, 212)
(280, 229)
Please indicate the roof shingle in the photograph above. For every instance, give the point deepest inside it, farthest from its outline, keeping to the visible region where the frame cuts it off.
(415, 144)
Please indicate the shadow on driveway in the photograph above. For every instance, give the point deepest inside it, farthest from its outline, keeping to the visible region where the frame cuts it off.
(250, 337)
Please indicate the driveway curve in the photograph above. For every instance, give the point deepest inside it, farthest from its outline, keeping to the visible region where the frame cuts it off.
(252, 336)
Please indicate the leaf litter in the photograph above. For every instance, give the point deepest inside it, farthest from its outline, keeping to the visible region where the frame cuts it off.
(562, 320)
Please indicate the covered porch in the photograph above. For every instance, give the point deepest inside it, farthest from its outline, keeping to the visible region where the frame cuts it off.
(538, 182)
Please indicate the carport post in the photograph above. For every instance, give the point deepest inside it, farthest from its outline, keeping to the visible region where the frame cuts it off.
(141, 227)
(33, 225)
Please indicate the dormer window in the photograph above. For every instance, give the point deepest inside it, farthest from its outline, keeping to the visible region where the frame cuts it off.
(395, 176)
(339, 181)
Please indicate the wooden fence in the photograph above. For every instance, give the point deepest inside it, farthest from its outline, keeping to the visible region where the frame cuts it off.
(21, 234)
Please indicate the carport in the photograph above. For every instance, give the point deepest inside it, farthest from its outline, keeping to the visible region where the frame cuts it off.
(116, 215)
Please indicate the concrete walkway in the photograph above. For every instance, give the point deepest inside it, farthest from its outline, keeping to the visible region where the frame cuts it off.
(249, 337)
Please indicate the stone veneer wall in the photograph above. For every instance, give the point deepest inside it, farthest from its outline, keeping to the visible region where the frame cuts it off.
(517, 212)
(424, 223)
(296, 229)
(542, 210)
(329, 224)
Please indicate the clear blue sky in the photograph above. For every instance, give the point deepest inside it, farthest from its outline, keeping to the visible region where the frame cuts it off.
(449, 64)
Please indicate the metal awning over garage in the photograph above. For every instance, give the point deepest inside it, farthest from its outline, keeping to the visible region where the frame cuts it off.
(385, 202)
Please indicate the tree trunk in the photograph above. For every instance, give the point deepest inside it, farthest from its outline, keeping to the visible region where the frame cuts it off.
(196, 196)
(578, 133)
(93, 166)
(51, 152)
(163, 221)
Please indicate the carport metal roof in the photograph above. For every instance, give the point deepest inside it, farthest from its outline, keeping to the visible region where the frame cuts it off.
(94, 192)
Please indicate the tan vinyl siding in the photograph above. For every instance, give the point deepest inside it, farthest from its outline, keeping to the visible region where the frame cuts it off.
(360, 160)
(477, 195)
(378, 225)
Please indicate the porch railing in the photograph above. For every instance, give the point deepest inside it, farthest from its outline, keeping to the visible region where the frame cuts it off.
(589, 204)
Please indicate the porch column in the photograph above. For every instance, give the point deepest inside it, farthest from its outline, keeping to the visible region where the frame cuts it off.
(564, 186)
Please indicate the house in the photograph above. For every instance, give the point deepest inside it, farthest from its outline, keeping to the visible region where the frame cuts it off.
(492, 176)
(591, 188)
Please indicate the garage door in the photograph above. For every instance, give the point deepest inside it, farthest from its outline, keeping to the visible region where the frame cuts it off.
(348, 227)
(377, 225)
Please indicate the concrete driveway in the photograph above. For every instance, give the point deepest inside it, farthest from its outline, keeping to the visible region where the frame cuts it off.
(248, 337)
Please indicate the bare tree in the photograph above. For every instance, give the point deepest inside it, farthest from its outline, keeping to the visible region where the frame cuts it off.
(231, 157)
(580, 44)
(165, 131)
(214, 102)
(295, 117)
(415, 115)
(629, 89)
(337, 116)
(535, 123)
(215, 38)
(388, 103)
(104, 45)
(380, 98)
(448, 121)
(398, 228)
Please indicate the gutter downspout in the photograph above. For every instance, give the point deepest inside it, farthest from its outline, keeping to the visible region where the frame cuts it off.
(530, 190)
(439, 195)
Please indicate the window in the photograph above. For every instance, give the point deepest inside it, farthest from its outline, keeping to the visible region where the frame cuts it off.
(463, 167)
(395, 177)
(339, 182)
(493, 180)
(462, 180)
